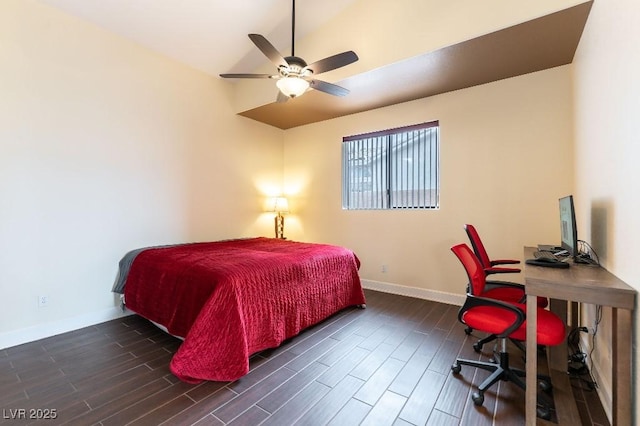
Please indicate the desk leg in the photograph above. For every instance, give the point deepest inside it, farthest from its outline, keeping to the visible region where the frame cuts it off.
(558, 354)
(621, 360)
(532, 361)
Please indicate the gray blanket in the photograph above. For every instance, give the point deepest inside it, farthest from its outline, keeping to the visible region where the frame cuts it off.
(123, 269)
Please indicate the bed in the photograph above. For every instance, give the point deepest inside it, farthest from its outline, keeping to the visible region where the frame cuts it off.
(231, 299)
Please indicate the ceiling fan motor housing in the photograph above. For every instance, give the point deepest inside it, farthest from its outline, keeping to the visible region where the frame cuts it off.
(296, 68)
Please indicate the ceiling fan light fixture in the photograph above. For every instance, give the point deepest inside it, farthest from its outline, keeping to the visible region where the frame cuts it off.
(292, 86)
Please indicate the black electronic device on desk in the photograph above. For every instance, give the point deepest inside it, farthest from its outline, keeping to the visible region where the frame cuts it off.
(549, 247)
(552, 256)
(547, 262)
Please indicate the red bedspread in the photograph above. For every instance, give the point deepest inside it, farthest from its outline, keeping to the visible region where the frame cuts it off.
(230, 299)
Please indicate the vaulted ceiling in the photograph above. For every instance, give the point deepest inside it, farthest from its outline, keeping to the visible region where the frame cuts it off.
(211, 35)
(542, 43)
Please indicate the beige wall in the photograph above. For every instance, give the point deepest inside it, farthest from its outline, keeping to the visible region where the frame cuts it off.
(105, 147)
(607, 148)
(506, 158)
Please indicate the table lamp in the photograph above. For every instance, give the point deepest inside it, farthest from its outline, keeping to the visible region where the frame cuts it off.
(279, 205)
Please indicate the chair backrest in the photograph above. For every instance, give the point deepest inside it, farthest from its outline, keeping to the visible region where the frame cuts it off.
(475, 272)
(477, 245)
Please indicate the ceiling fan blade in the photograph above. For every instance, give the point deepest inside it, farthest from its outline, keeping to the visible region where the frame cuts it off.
(333, 62)
(246, 76)
(281, 97)
(329, 88)
(268, 50)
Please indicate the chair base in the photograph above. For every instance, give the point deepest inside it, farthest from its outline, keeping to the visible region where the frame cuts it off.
(477, 346)
(500, 370)
(489, 338)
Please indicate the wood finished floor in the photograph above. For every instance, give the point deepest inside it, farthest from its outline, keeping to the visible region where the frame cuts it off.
(388, 364)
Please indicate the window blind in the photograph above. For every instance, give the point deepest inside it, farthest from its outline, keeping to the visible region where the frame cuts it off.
(392, 169)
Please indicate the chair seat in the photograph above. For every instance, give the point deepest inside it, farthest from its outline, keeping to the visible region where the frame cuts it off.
(550, 330)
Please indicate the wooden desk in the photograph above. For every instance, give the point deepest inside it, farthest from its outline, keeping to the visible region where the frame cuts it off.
(585, 284)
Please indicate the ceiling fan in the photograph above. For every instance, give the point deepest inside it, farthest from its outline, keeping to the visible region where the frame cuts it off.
(294, 76)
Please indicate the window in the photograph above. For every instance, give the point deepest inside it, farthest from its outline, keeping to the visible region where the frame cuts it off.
(392, 169)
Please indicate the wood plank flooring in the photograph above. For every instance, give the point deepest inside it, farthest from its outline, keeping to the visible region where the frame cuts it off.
(388, 364)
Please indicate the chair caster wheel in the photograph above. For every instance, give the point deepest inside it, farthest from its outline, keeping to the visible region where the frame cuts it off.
(478, 398)
(468, 330)
(545, 386)
(456, 368)
(477, 347)
(543, 413)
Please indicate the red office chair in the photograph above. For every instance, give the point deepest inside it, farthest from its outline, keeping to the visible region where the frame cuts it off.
(500, 290)
(505, 320)
(490, 266)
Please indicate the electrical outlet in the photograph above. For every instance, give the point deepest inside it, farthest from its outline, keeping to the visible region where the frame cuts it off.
(43, 301)
(384, 268)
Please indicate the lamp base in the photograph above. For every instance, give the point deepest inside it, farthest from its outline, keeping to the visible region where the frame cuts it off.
(279, 226)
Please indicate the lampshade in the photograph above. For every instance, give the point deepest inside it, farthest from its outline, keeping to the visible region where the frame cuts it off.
(278, 205)
(292, 86)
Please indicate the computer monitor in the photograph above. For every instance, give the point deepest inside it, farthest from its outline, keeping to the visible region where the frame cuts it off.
(568, 229)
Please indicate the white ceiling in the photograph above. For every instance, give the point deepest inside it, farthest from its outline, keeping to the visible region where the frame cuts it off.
(210, 35)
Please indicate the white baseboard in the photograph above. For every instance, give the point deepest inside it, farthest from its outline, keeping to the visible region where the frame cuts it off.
(41, 331)
(419, 293)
